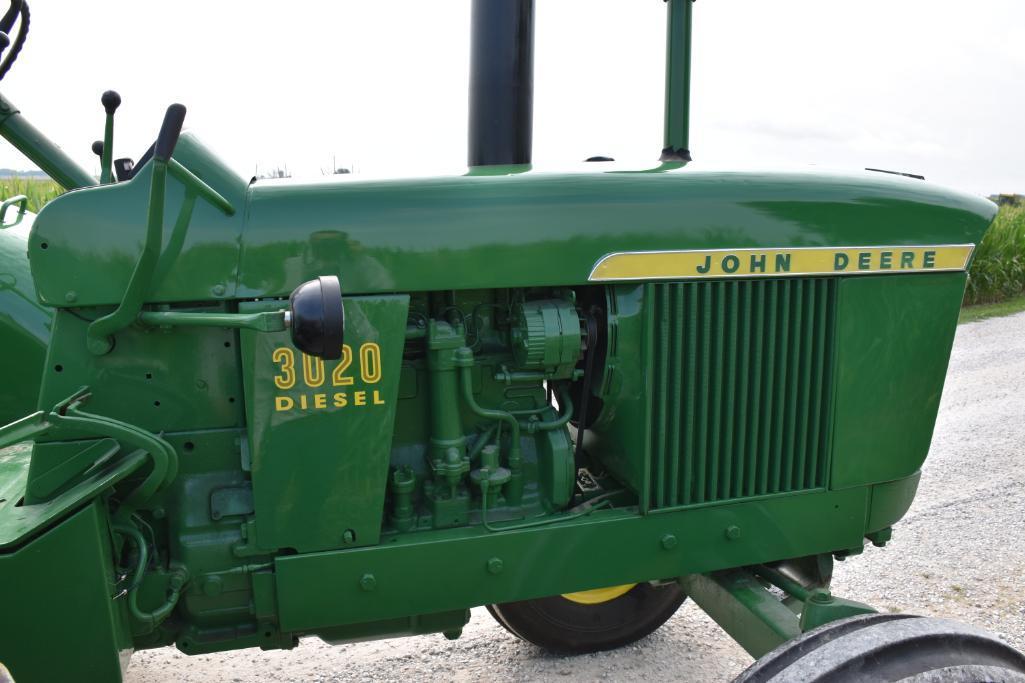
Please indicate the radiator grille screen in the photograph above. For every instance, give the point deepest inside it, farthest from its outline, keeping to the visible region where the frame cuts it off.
(741, 393)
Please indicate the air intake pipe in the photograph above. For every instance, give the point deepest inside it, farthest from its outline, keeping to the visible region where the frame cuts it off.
(501, 82)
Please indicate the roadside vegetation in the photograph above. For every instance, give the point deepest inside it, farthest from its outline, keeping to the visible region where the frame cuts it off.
(996, 282)
(38, 191)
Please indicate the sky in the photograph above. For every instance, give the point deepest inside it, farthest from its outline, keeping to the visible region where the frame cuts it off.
(933, 87)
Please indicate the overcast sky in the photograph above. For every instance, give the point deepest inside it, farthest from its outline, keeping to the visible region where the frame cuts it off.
(935, 87)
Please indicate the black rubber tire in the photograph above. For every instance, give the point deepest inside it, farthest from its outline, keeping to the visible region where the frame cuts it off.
(890, 647)
(566, 627)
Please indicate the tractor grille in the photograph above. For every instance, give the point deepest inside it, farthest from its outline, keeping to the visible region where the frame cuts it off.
(741, 400)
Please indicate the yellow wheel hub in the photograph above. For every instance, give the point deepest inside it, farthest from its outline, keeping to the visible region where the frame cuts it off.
(599, 595)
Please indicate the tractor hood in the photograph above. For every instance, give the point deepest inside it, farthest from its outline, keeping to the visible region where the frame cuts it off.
(469, 231)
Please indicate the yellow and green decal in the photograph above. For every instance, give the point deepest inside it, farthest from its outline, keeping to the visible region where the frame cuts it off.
(709, 263)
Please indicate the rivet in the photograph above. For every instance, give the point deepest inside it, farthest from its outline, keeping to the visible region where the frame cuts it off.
(733, 532)
(71, 297)
(217, 290)
(495, 565)
(669, 541)
(348, 536)
(367, 582)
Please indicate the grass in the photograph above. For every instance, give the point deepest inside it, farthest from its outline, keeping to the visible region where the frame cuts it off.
(971, 314)
(997, 273)
(38, 191)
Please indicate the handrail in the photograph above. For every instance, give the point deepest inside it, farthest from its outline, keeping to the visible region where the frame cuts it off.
(19, 199)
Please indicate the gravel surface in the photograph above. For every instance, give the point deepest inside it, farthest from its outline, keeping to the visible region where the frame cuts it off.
(960, 553)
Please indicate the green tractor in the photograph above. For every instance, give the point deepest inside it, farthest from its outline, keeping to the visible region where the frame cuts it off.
(357, 408)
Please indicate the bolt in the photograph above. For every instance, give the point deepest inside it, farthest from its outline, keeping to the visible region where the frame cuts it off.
(158, 513)
(821, 596)
(348, 536)
(201, 384)
(733, 532)
(71, 297)
(367, 582)
(495, 565)
(212, 586)
(217, 290)
(100, 347)
(669, 541)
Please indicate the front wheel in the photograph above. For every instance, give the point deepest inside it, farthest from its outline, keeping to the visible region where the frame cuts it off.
(589, 621)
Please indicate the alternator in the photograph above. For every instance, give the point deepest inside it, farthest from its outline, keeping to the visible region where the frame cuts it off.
(546, 337)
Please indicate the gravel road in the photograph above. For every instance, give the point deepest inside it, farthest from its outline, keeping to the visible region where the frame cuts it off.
(960, 553)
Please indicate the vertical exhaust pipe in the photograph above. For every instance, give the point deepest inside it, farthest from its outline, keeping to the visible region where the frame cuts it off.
(501, 82)
(676, 140)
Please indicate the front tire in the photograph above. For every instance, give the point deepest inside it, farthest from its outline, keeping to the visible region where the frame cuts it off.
(578, 625)
(890, 647)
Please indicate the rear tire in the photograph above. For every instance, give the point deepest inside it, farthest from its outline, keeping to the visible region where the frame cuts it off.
(565, 626)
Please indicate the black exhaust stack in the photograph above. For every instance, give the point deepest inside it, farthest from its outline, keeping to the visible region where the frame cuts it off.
(501, 82)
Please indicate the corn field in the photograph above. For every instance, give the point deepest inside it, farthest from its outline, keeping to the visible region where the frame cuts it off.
(998, 270)
(39, 192)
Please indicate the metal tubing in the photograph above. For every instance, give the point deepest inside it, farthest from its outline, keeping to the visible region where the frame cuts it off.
(107, 158)
(267, 321)
(514, 490)
(501, 82)
(565, 404)
(16, 129)
(189, 179)
(676, 141)
(782, 582)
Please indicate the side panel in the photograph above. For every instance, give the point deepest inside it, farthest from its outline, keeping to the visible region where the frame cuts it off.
(321, 431)
(169, 380)
(458, 569)
(894, 339)
(60, 623)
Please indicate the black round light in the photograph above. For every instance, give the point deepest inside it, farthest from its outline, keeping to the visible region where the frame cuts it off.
(318, 318)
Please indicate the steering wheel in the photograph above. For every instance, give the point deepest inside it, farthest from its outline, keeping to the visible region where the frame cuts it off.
(18, 8)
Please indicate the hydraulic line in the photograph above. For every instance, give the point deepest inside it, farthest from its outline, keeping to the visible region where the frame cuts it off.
(179, 576)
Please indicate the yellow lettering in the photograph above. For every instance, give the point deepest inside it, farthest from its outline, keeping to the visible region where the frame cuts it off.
(360, 398)
(313, 371)
(320, 400)
(338, 377)
(302, 401)
(370, 362)
(341, 400)
(282, 403)
(284, 356)
(378, 401)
